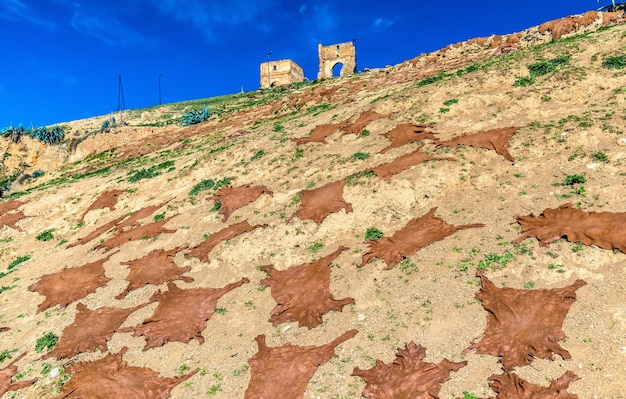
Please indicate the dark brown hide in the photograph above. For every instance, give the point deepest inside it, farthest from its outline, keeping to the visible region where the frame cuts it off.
(417, 234)
(302, 292)
(407, 376)
(386, 170)
(283, 372)
(72, 284)
(90, 330)
(523, 324)
(604, 229)
(10, 206)
(363, 120)
(107, 199)
(495, 139)
(509, 385)
(155, 268)
(150, 230)
(237, 197)
(7, 373)
(181, 315)
(406, 133)
(112, 378)
(10, 220)
(319, 134)
(201, 251)
(318, 203)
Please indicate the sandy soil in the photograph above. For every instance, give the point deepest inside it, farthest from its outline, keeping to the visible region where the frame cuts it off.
(568, 116)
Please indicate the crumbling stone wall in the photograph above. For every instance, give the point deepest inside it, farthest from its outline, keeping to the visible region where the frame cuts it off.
(276, 73)
(341, 53)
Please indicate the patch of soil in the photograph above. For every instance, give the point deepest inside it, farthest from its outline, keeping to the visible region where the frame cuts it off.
(415, 235)
(284, 371)
(604, 229)
(318, 203)
(523, 324)
(407, 376)
(90, 330)
(113, 378)
(233, 198)
(6, 375)
(302, 292)
(181, 315)
(71, 284)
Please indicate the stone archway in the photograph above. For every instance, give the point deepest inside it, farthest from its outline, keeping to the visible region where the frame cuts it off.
(329, 56)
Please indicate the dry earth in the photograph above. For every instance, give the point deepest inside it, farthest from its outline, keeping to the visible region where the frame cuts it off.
(572, 123)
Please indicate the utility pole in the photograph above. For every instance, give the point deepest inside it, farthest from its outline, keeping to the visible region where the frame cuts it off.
(160, 75)
(269, 81)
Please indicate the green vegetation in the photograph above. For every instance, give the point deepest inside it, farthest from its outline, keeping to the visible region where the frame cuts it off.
(159, 216)
(316, 247)
(45, 235)
(359, 155)
(541, 68)
(48, 341)
(216, 206)
(6, 354)
(451, 101)
(615, 62)
(14, 264)
(52, 135)
(495, 261)
(570, 180)
(433, 79)
(373, 233)
(600, 156)
(529, 285)
(299, 153)
(467, 395)
(257, 155)
(152, 171)
(196, 116)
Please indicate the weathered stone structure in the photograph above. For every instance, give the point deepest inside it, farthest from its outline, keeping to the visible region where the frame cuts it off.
(342, 53)
(282, 72)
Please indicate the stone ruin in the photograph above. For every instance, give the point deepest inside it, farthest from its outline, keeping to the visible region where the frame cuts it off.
(341, 53)
(277, 73)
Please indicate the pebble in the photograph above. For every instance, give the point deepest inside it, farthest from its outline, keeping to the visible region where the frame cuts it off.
(361, 317)
(592, 165)
(55, 372)
(621, 141)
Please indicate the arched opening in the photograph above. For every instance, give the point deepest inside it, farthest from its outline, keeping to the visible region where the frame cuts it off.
(337, 69)
(275, 83)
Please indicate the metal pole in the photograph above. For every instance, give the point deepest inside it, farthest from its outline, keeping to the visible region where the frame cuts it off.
(269, 81)
(160, 88)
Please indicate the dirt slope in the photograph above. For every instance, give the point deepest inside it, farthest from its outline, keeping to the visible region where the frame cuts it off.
(570, 148)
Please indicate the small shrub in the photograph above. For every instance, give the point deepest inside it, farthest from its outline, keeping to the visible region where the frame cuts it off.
(448, 103)
(45, 235)
(38, 173)
(495, 261)
(204, 185)
(152, 171)
(196, 116)
(373, 233)
(600, 157)
(570, 180)
(432, 79)
(48, 341)
(17, 261)
(216, 206)
(529, 285)
(278, 127)
(257, 155)
(523, 81)
(616, 62)
(6, 354)
(359, 155)
(316, 247)
(297, 155)
(159, 216)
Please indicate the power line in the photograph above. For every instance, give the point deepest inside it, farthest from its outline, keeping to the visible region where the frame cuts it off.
(120, 95)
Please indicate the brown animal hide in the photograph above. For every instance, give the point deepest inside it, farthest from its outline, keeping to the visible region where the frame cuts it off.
(283, 372)
(302, 292)
(201, 251)
(97, 232)
(509, 385)
(386, 170)
(407, 376)
(494, 139)
(10, 220)
(417, 234)
(69, 285)
(237, 197)
(406, 133)
(10, 206)
(181, 315)
(150, 230)
(523, 324)
(318, 203)
(560, 27)
(363, 120)
(112, 378)
(604, 229)
(319, 134)
(7, 373)
(155, 268)
(107, 199)
(90, 330)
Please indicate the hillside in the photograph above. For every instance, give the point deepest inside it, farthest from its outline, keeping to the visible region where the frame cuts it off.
(489, 131)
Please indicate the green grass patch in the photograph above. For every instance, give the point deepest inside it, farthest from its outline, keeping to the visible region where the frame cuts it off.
(45, 235)
(48, 341)
(373, 233)
(152, 171)
(615, 62)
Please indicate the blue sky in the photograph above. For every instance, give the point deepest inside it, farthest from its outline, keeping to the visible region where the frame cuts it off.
(61, 58)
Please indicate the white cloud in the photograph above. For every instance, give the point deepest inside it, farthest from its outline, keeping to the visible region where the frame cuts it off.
(382, 23)
(18, 11)
(302, 9)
